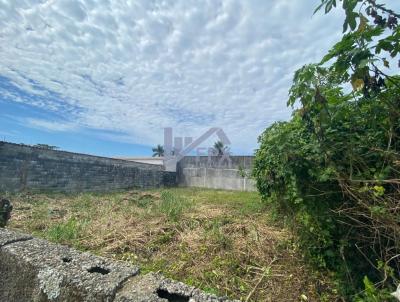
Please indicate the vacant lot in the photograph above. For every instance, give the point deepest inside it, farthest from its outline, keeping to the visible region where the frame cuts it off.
(223, 242)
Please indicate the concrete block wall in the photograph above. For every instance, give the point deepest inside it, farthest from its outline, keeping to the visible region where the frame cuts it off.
(28, 168)
(216, 172)
(33, 269)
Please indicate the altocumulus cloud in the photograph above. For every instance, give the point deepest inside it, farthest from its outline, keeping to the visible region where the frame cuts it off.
(138, 66)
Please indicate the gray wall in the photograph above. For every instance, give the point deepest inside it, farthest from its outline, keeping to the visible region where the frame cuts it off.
(28, 168)
(216, 172)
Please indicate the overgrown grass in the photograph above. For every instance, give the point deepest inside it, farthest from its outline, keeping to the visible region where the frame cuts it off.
(173, 205)
(64, 231)
(221, 241)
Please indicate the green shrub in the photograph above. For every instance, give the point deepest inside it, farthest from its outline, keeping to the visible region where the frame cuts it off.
(333, 172)
(290, 176)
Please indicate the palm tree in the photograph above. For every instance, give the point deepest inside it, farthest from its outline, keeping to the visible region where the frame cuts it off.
(219, 146)
(158, 151)
(45, 146)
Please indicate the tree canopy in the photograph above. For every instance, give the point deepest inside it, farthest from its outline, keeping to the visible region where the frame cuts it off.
(158, 151)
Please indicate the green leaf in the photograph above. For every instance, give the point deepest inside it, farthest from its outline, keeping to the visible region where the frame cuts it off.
(345, 45)
(383, 44)
(345, 25)
(319, 7)
(363, 63)
(369, 286)
(328, 6)
(352, 20)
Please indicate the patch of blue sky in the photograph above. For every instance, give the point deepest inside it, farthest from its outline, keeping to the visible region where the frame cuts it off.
(53, 101)
(18, 108)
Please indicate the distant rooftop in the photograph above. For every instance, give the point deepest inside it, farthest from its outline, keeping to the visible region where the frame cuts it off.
(144, 160)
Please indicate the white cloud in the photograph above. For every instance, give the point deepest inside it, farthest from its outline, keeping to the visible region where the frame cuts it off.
(139, 66)
(52, 126)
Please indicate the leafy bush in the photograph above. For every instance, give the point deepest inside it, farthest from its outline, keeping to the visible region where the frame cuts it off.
(336, 190)
(333, 169)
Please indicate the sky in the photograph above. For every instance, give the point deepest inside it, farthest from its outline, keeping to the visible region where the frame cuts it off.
(105, 77)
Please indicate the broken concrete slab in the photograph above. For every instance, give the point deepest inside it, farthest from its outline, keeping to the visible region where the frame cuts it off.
(154, 287)
(34, 269)
(7, 236)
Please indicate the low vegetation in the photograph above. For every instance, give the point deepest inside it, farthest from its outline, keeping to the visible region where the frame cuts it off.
(224, 242)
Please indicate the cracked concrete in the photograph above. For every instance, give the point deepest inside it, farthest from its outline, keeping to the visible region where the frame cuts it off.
(154, 287)
(37, 270)
(34, 269)
(8, 237)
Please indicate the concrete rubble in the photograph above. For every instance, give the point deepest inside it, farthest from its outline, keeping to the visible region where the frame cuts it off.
(33, 269)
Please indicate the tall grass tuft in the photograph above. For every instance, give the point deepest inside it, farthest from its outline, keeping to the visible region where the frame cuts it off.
(173, 205)
(65, 231)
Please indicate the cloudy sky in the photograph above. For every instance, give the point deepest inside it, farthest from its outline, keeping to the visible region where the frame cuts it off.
(106, 76)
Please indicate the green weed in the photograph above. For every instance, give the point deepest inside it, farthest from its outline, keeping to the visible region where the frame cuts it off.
(144, 201)
(216, 233)
(173, 205)
(64, 232)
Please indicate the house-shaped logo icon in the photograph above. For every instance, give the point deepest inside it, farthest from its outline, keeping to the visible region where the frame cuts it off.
(177, 147)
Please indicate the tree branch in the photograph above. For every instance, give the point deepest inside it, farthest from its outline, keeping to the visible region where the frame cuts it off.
(382, 8)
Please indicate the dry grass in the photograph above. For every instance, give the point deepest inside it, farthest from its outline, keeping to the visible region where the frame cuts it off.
(223, 242)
